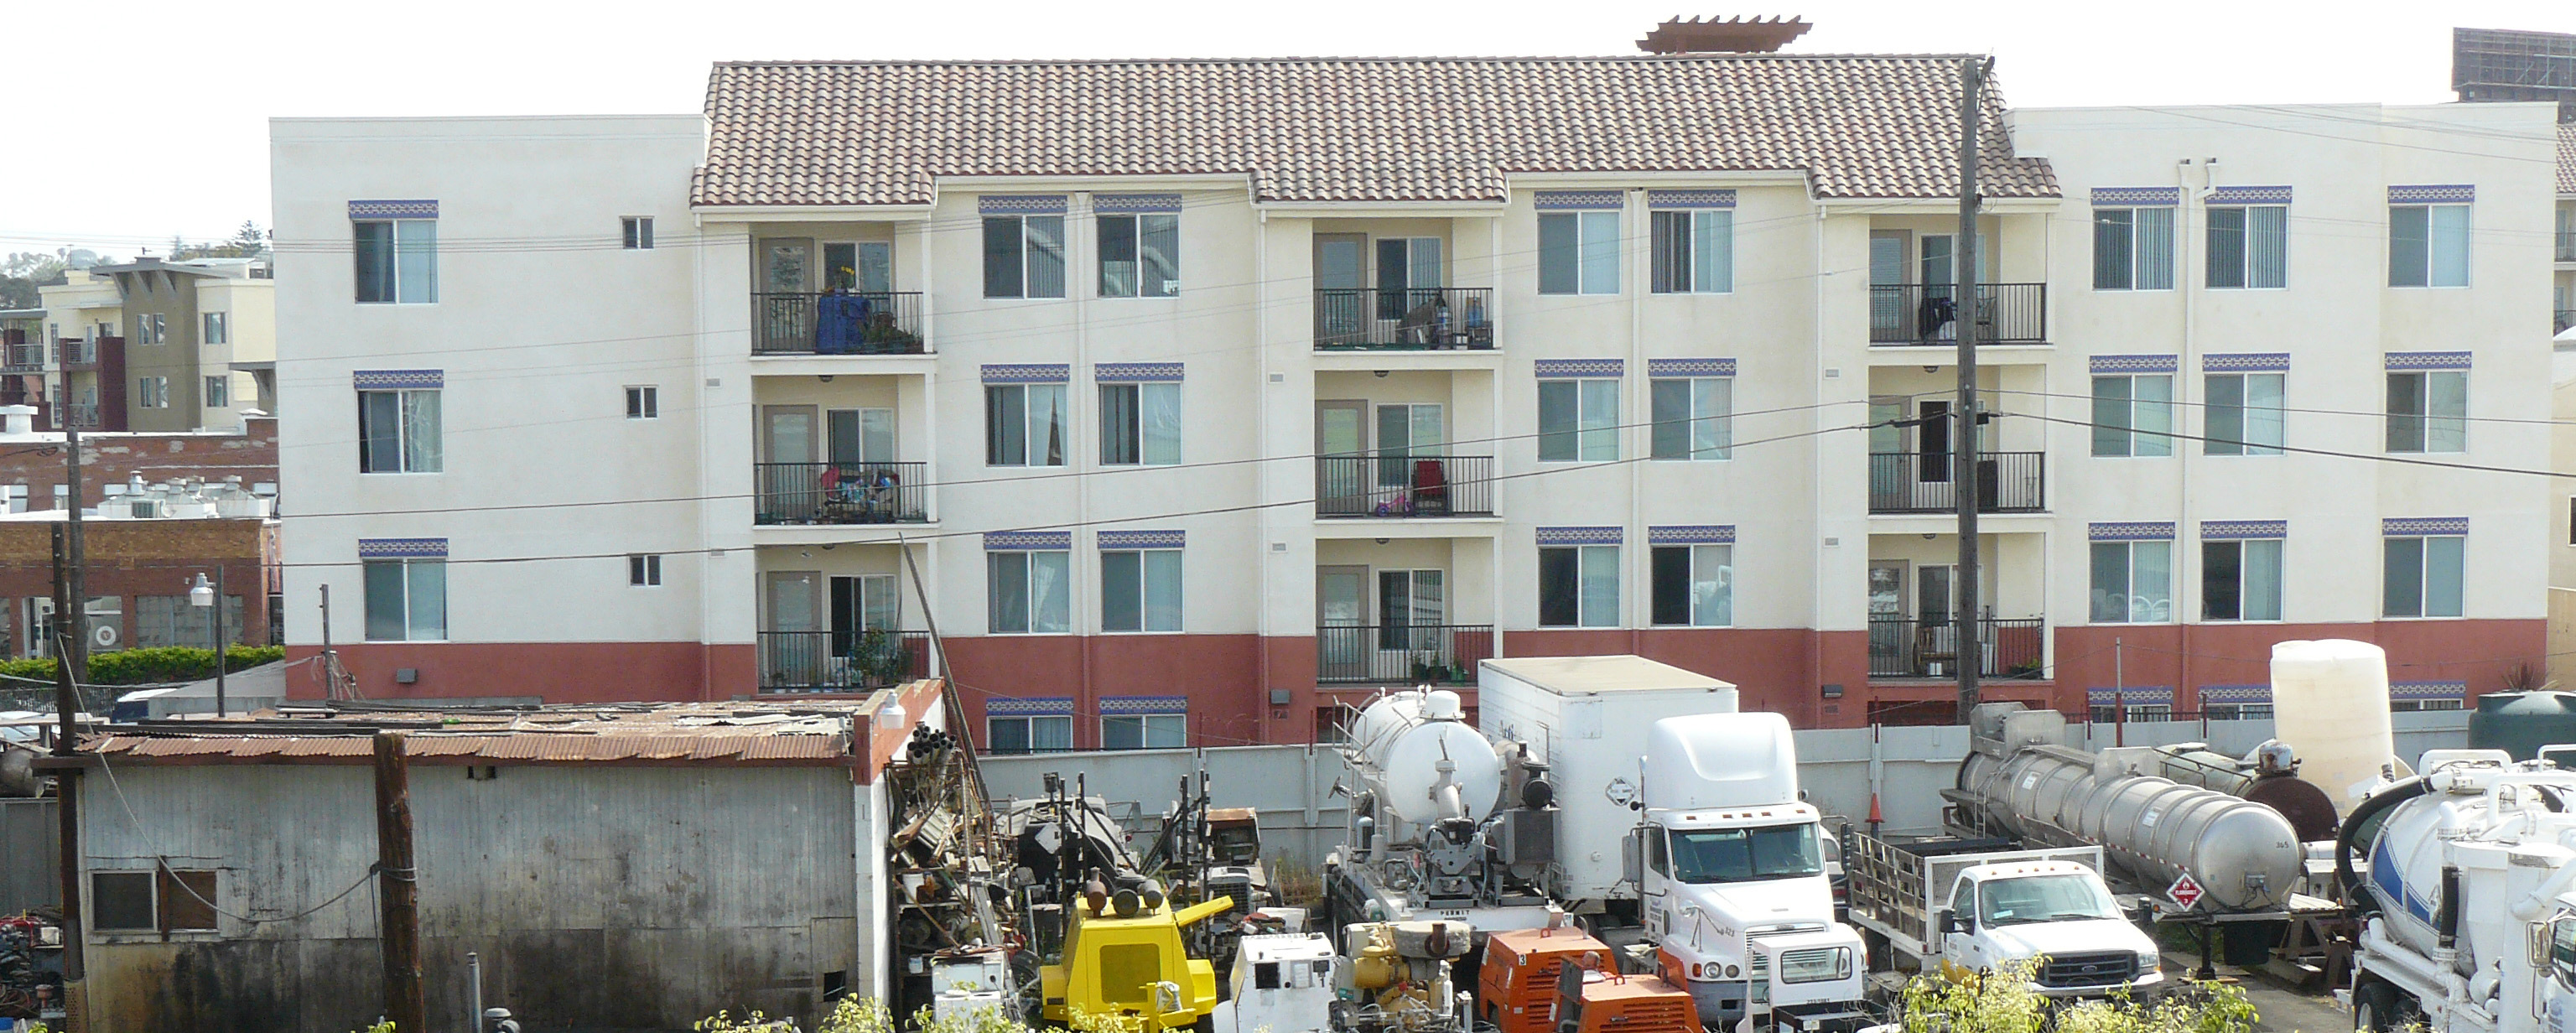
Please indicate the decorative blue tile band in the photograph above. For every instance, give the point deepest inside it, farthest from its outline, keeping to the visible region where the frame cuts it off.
(2246, 362)
(2445, 193)
(1020, 204)
(392, 379)
(1022, 541)
(2131, 531)
(2134, 364)
(1691, 534)
(393, 209)
(1582, 535)
(1135, 204)
(2249, 195)
(2412, 527)
(1141, 539)
(1559, 369)
(1690, 199)
(2226, 529)
(1578, 200)
(2404, 361)
(402, 548)
(1040, 706)
(2428, 690)
(1690, 367)
(2134, 695)
(2235, 694)
(1144, 705)
(1027, 372)
(1135, 372)
(2136, 197)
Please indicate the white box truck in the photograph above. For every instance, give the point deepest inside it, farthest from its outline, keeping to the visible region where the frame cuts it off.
(1586, 718)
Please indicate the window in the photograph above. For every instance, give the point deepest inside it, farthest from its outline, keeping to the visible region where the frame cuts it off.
(1144, 732)
(398, 431)
(1410, 599)
(151, 328)
(644, 403)
(1694, 251)
(644, 571)
(1029, 592)
(2133, 415)
(2240, 580)
(1024, 425)
(2132, 582)
(2428, 411)
(1694, 585)
(866, 267)
(1578, 420)
(1578, 253)
(406, 600)
(397, 261)
(152, 392)
(1140, 590)
(162, 900)
(218, 392)
(1692, 417)
(2424, 576)
(1578, 586)
(1024, 256)
(1140, 256)
(1408, 276)
(1029, 734)
(215, 330)
(171, 620)
(2133, 249)
(1140, 423)
(2237, 711)
(639, 232)
(2244, 415)
(2409, 706)
(1406, 430)
(2428, 245)
(2249, 246)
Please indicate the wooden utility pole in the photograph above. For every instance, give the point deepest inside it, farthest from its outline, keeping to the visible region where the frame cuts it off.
(1965, 487)
(405, 1002)
(75, 658)
(67, 786)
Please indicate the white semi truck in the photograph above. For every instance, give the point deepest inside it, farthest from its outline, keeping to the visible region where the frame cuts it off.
(2468, 904)
(1731, 877)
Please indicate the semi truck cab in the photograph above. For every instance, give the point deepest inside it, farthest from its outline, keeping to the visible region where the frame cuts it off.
(2058, 910)
(1741, 900)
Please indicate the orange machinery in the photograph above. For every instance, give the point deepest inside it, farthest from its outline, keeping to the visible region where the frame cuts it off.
(1565, 981)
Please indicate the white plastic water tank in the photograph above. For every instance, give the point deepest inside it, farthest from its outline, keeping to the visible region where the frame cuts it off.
(2330, 703)
(1401, 743)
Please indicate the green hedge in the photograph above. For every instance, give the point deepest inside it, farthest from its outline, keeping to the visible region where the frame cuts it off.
(156, 665)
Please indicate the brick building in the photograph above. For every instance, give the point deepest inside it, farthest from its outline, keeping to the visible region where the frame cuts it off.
(138, 577)
(31, 461)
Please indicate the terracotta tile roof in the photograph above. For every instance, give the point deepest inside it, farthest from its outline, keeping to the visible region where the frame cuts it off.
(802, 732)
(880, 133)
(2566, 158)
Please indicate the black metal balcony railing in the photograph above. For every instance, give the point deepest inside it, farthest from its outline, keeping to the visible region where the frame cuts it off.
(873, 323)
(841, 661)
(1413, 319)
(1384, 485)
(1914, 313)
(841, 493)
(2566, 250)
(1909, 648)
(1401, 654)
(1919, 482)
(2561, 319)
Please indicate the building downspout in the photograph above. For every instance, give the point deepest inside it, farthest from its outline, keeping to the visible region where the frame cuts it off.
(2186, 567)
(1261, 626)
(1639, 433)
(1817, 420)
(1080, 289)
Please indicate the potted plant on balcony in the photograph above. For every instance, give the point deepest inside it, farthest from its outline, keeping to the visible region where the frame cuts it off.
(879, 658)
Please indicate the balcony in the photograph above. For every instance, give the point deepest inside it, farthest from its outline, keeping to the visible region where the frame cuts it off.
(26, 358)
(1917, 482)
(841, 661)
(2566, 250)
(841, 493)
(1909, 648)
(1396, 486)
(1919, 314)
(1401, 654)
(2560, 320)
(74, 351)
(1417, 319)
(82, 416)
(843, 323)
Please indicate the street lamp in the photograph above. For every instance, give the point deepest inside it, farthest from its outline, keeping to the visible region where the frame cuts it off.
(211, 597)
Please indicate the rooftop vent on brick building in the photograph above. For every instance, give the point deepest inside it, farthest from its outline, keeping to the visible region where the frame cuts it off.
(1737, 35)
(17, 420)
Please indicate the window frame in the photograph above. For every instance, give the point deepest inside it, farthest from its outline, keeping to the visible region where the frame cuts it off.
(644, 570)
(1173, 612)
(1721, 425)
(1675, 240)
(1136, 234)
(399, 251)
(2243, 443)
(214, 328)
(165, 893)
(1591, 436)
(1024, 249)
(2425, 556)
(636, 232)
(1690, 563)
(1146, 730)
(2133, 260)
(1133, 441)
(1585, 225)
(2245, 266)
(218, 392)
(1029, 603)
(151, 328)
(643, 401)
(2425, 422)
(410, 458)
(996, 441)
(2427, 260)
(152, 392)
(412, 627)
(1028, 724)
(1584, 600)
(2243, 564)
(2129, 595)
(2129, 425)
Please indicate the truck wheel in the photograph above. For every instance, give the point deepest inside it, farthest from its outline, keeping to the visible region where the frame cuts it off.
(2374, 1007)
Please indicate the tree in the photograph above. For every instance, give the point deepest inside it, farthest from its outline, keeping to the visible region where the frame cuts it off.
(24, 271)
(247, 242)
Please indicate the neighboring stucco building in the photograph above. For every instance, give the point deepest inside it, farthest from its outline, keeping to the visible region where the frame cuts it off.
(185, 326)
(1208, 422)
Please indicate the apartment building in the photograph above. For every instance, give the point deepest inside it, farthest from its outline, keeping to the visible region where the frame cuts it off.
(2562, 291)
(1203, 398)
(153, 345)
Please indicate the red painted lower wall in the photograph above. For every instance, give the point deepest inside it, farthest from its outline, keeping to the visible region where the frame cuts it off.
(558, 672)
(2486, 654)
(1221, 675)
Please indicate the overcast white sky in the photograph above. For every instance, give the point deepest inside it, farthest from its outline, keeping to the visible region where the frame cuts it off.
(136, 121)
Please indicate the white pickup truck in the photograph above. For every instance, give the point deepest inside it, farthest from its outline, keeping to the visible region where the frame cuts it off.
(1976, 904)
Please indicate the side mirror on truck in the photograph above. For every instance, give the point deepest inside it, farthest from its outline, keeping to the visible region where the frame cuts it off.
(1632, 859)
(1952, 922)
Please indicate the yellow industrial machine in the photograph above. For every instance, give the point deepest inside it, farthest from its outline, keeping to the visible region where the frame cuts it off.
(1123, 959)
